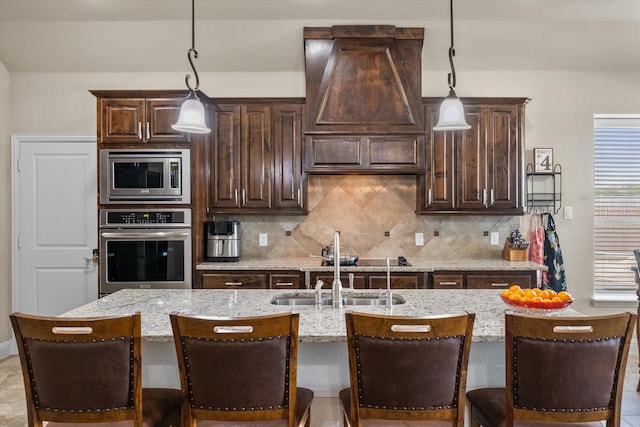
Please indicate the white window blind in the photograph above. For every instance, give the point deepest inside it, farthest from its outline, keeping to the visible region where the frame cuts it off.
(616, 201)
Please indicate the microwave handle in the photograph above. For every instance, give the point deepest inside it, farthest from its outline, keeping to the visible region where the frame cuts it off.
(145, 234)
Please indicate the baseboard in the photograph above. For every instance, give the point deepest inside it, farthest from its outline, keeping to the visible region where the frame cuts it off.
(7, 349)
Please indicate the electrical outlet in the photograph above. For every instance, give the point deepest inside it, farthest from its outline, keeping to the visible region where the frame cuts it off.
(419, 239)
(568, 212)
(262, 239)
(495, 238)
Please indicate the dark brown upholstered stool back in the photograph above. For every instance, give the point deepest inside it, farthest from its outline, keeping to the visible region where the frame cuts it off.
(559, 370)
(88, 371)
(406, 368)
(240, 370)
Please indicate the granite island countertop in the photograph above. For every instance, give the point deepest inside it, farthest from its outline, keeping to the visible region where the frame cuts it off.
(316, 324)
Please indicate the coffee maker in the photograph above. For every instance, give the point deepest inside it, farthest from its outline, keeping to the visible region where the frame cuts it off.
(222, 240)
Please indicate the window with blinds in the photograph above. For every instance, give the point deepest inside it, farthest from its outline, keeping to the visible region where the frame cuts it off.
(616, 201)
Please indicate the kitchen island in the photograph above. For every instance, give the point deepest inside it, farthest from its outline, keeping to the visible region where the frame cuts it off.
(322, 359)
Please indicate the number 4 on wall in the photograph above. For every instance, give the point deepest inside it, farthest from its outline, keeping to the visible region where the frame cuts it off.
(543, 159)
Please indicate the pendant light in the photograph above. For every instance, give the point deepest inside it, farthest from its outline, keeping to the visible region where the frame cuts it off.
(191, 119)
(451, 111)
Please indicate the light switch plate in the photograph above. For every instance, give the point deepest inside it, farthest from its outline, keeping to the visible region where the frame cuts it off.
(262, 239)
(495, 238)
(568, 212)
(419, 239)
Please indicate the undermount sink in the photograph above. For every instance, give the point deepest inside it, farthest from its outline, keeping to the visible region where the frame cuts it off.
(346, 300)
(298, 300)
(372, 300)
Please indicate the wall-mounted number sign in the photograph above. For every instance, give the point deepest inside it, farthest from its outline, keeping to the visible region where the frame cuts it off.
(543, 160)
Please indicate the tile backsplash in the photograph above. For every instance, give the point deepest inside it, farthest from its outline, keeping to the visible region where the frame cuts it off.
(365, 208)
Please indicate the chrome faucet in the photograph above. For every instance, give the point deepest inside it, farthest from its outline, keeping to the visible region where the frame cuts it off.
(336, 286)
(318, 301)
(389, 296)
(351, 290)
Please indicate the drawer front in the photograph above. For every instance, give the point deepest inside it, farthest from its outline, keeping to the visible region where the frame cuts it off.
(447, 281)
(490, 281)
(397, 282)
(285, 281)
(234, 281)
(359, 280)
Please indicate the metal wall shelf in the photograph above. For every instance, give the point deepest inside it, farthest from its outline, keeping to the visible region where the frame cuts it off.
(544, 190)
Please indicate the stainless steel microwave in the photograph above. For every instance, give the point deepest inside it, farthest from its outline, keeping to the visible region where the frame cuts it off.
(145, 176)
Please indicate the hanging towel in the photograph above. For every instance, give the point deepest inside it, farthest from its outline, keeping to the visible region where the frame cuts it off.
(553, 258)
(536, 246)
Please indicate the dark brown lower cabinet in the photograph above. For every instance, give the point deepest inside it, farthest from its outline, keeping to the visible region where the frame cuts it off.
(249, 280)
(234, 281)
(372, 280)
(482, 279)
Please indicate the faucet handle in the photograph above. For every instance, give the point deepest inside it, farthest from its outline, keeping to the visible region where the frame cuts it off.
(319, 285)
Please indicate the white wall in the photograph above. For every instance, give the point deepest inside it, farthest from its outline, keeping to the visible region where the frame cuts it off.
(5, 208)
(559, 116)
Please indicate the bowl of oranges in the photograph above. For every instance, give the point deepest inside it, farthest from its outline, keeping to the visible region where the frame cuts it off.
(535, 300)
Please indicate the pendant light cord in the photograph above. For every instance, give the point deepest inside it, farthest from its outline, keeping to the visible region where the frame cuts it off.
(193, 53)
(452, 52)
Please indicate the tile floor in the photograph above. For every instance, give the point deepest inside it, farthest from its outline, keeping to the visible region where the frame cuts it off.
(13, 408)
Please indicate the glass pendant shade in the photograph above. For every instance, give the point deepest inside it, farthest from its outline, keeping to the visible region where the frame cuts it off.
(451, 114)
(191, 119)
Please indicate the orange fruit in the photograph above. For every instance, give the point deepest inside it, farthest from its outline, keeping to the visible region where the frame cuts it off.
(515, 288)
(506, 293)
(565, 296)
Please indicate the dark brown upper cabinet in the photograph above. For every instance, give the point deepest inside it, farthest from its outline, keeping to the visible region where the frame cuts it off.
(130, 117)
(255, 157)
(477, 171)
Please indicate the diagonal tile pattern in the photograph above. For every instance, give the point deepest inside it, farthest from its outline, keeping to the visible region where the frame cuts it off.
(363, 208)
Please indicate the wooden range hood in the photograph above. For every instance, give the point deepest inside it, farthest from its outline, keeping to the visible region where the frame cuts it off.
(363, 99)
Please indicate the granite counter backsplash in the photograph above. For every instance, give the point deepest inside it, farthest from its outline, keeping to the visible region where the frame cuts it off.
(376, 217)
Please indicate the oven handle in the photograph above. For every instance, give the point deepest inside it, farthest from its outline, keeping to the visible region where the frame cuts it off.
(145, 234)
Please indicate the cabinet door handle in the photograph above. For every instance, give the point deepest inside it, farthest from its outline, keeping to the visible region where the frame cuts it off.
(148, 131)
(484, 198)
(139, 130)
(233, 283)
(493, 197)
(499, 285)
(284, 283)
(299, 196)
(244, 197)
(235, 196)
(448, 283)
(429, 198)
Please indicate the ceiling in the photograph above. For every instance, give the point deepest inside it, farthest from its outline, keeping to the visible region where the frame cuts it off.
(266, 35)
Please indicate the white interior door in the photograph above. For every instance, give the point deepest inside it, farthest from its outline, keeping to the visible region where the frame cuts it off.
(54, 223)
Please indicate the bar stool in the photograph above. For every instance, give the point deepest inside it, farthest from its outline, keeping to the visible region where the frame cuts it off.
(565, 371)
(81, 371)
(240, 371)
(406, 370)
